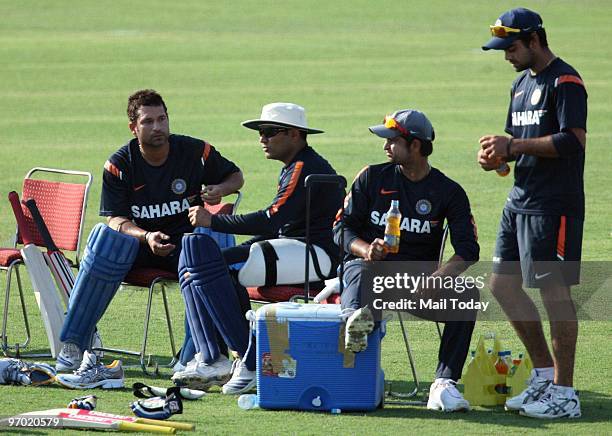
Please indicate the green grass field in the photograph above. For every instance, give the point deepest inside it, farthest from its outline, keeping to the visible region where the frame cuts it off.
(68, 67)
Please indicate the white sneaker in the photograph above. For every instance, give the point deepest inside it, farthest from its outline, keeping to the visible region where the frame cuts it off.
(444, 396)
(178, 367)
(69, 358)
(536, 387)
(557, 402)
(93, 374)
(358, 326)
(242, 380)
(202, 376)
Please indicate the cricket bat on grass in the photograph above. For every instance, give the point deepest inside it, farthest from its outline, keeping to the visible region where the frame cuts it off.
(47, 297)
(91, 419)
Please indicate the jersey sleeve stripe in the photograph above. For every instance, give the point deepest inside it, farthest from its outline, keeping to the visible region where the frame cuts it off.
(206, 152)
(108, 166)
(295, 176)
(568, 78)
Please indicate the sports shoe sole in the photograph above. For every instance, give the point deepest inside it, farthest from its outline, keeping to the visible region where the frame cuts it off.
(440, 408)
(357, 330)
(514, 409)
(571, 415)
(195, 382)
(104, 384)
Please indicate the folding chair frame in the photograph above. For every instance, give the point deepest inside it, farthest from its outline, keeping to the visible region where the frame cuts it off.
(6, 348)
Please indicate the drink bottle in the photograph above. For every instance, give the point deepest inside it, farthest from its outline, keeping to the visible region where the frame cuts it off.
(392, 229)
(503, 169)
(248, 401)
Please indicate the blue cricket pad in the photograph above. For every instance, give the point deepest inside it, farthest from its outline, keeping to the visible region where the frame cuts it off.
(189, 347)
(223, 240)
(204, 275)
(108, 257)
(201, 326)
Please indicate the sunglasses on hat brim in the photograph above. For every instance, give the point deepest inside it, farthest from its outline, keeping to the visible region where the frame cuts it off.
(390, 123)
(505, 31)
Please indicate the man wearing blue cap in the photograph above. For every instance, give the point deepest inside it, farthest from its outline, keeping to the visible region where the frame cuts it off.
(426, 198)
(540, 237)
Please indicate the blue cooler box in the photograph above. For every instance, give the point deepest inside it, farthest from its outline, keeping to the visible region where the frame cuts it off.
(302, 363)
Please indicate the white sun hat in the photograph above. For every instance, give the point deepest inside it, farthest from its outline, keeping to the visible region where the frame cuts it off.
(282, 114)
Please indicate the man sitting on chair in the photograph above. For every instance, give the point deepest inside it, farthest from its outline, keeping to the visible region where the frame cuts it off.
(274, 256)
(148, 186)
(426, 199)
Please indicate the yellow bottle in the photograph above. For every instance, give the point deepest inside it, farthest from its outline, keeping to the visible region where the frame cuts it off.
(392, 229)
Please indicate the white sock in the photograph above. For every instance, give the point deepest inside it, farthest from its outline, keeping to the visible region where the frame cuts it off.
(547, 373)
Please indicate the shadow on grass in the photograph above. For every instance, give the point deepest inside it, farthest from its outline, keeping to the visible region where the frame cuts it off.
(596, 407)
(21, 430)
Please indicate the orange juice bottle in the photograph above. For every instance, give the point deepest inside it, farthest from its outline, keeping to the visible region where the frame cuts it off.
(392, 229)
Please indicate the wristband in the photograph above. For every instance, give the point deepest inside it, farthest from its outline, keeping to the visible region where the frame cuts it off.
(508, 154)
(147, 237)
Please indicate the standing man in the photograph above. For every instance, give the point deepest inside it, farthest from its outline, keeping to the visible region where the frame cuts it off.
(426, 199)
(274, 256)
(541, 224)
(148, 186)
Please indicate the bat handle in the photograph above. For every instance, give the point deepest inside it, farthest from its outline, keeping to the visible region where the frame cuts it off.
(22, 224)
(173, 424)
(40, 224)
(144, 428)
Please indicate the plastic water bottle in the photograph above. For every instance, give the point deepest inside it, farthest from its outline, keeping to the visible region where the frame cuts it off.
(248, 401)
(392, 229)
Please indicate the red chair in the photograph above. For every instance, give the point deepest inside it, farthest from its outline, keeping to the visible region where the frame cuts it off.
(62, 205)
(278, 293)
(150, 278)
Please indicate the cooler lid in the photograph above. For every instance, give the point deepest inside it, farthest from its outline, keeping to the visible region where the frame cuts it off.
(299, 312)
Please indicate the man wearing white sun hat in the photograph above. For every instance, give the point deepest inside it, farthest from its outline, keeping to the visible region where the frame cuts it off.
(275, 255)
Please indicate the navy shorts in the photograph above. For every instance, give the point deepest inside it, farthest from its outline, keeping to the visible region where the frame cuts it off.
(542, 248)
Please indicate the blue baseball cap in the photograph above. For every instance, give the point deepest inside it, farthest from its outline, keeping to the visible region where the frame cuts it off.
(510, 26)
(405, 122)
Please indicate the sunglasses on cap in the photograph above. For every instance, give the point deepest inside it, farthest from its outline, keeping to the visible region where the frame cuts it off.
(390, 123)
(270, 132)
(505, 31)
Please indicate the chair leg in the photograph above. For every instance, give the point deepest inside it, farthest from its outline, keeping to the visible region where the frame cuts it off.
(143, 363)
(5, 346)
(170, 332)
(143, 350)
(415, 391)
